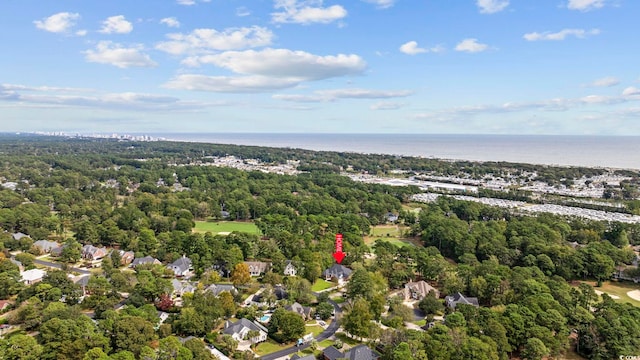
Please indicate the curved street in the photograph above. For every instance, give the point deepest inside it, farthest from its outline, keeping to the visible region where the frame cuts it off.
(327, 333)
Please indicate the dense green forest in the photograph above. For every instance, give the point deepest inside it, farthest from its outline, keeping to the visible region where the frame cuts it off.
(530, 275)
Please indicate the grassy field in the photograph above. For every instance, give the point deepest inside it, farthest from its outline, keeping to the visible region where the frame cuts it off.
(389, 233)
(313, 329)
(322, 284)
(346, 339)
(619, 289)
(270, 346)
(217, 227)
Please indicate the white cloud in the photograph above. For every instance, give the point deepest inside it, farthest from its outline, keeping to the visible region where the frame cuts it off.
(630, 94)
(306, 12)
(60, 97)
(605, 82)
(336, 94)
(492, 6)
(107, 52)
(58, 23)
(382, 4)
(585, 5)
(386, 105)
(471, 46)
(81, 32)
(243, 11)
(411, 48)
(631, 91)
(229, 84)
(560, 35)
(205, 40)
(170, 22)
(266, 70)
(284, 63)
(190, 2)
(116, 25)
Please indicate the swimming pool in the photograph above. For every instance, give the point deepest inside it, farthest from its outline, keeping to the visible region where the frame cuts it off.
(265, 318)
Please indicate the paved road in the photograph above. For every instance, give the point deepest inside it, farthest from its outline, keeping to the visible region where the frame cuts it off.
(59, 266)
(327, 333)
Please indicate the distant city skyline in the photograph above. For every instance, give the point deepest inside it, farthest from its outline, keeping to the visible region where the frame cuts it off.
(556, 67)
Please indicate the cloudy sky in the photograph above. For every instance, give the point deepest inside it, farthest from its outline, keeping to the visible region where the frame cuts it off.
(331, 66)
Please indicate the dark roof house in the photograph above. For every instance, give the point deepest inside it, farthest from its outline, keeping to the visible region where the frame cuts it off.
(337, 271)
(303, 311)
(181, 267)
(360, 352)
(217, 289)
(46, 246)
(454, 300)
(144, 260)
(418, 290)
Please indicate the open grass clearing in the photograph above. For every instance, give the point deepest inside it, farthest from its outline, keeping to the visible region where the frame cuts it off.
(321, 284)
(270, 346)
(325, 344)
(619, 289)
(226, 227)
(346, 339)
(313, 329)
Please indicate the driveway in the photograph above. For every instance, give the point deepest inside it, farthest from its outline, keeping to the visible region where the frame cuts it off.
(327, 333)
(58, 266)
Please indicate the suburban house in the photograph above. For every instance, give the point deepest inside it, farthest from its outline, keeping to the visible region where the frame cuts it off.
(290, 269)
(280, 292)
(303, 311)
(82, 281)
(181, 267)
(217, 289)
(145, 260)
(182, 287)
(241, 328)
(46, 246)
(454, 300)
(418, 290)
(32, 276)
(5, 304)
(19, 235)
(359, 352)
(126, 257)
(391, 217)
(90, 252)
(307, 357)
(339, 272)
(257, 268)
(17, 263)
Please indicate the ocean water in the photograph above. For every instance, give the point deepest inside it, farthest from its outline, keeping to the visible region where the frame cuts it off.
(590, 151)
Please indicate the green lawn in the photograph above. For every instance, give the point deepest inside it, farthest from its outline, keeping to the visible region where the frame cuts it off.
(619, 289)
(422, 322)
(322, 284)
(315, 330)
(325, 344)
(224, 227)
(269, 346)
(346, 340)
(396, 242)
(388, 230)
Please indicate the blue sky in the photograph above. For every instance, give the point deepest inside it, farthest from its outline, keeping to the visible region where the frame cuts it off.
(330, 66)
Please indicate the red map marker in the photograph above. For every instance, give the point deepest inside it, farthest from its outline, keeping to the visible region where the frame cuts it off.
(338, 255)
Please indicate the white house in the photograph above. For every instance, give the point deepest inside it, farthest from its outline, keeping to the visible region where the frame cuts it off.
(290, 269)
(32, 276)
(241, 328)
